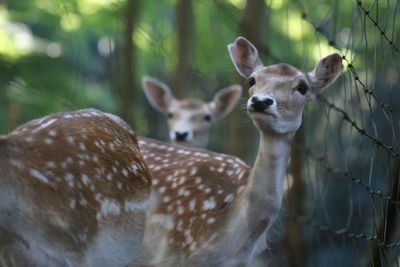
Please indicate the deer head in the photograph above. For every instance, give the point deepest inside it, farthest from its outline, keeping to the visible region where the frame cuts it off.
(279, 92)
(189, 120)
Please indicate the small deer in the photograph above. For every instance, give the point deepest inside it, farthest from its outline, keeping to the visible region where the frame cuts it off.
(189, 120)
(212, 209)
(74, 191)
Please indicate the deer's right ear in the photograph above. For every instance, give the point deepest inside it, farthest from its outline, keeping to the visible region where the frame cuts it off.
(225, 100)
(158, 93)
(244, 56)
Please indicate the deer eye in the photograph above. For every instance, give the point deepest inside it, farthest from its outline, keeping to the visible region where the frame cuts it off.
(170, 115)
(302, 87)
(207, 117)
(251, 81)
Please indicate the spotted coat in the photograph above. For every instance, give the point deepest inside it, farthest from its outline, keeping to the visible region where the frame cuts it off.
(196, 189)
(68, 181)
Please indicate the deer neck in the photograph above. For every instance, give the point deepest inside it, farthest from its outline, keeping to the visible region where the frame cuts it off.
(263, 196)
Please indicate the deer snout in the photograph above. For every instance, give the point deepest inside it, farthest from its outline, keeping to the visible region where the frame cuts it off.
(260, 104)
(181, 136)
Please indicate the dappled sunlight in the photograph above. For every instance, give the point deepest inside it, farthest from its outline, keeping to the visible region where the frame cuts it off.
(16, 39)
(142, 37)
(70, 22)
(296, 29)
(275, 4)
(238, 3)
(53, 7)
(89, 7)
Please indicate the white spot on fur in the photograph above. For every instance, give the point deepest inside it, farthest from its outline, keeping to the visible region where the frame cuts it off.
(37, 174)
(209, 204)
(134, 205)
(228, 198)
(68, 116)
(83, 202)
(180, 210)
(241, 188)
(69, 178)
(108, 207)
(119, 185)
(192, 204)
(193, 171)
(85, 179)
(211, 220)
(82, 146)
(72, 203)
(16, 163)
(141, 142)
(44, 125)
(52, 132)
(50, 164)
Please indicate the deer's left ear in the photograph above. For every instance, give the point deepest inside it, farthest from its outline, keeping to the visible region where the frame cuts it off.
(225, 100)
(326, 72)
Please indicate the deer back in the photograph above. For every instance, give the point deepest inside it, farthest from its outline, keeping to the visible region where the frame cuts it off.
(196, 195)
(73, 189)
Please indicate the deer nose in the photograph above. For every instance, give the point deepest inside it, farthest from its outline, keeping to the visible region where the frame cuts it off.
(181, 136)
(261, 104)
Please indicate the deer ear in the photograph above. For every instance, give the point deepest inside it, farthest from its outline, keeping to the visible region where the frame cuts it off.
(326, 72)
(244, 56)
(158, 94)
(225, 100)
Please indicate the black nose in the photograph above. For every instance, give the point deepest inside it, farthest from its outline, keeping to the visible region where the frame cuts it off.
(181, 136)
(261, 105)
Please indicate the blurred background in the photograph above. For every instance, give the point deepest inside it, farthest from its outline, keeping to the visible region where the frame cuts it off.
(342, 205)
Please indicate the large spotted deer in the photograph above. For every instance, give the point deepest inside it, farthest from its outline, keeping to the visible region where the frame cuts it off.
(73, 192)
(212, 209)
(189, 119)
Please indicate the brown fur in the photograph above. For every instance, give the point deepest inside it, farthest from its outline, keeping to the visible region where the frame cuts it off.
(281, 69)
(176, 169)
(72, 157)
(191, 104)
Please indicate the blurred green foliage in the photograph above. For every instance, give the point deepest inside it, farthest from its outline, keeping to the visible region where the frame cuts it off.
(58, 55)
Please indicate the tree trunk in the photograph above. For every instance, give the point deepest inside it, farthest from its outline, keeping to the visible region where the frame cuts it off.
(184, 23)
(296, 248)
(387, 227)
(252, 26)
(128, 94)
